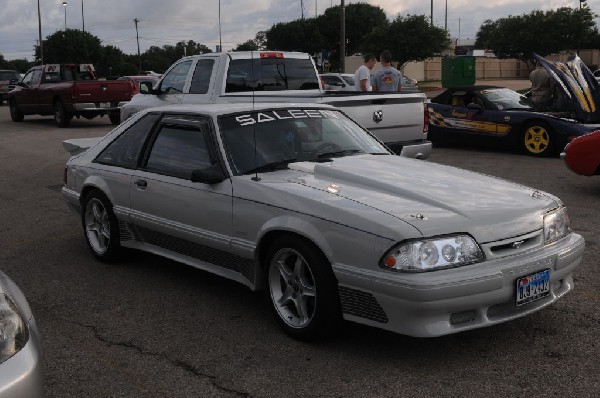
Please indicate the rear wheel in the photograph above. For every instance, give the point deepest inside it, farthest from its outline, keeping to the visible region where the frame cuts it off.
(101, 227)
(15, 114)
(115, 118)
(538, 139)
(61, 116)
(302, 289)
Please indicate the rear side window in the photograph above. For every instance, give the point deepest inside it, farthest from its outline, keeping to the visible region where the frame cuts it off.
(271, 74)
(125, 150)
(179, 150)
(201, 78)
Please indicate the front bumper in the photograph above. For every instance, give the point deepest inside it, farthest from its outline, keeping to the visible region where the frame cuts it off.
(21, 375)
(449, 301)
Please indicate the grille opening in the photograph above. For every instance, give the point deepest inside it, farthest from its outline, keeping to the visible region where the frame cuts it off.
(460, 318)
(517, 244)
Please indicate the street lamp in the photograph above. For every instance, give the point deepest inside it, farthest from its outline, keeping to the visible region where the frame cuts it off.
(65, 5)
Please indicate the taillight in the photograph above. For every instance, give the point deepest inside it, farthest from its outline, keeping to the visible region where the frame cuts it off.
(425, 119)
(271, 54)
(131, 88)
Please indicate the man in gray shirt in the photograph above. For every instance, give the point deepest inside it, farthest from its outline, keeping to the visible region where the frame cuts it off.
(386, 78)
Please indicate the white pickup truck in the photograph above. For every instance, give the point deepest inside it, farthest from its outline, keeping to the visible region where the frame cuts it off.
(400, 120)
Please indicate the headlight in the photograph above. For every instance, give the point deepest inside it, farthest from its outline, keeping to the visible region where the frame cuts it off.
(13, 331)
(556, 225)
(431, 254)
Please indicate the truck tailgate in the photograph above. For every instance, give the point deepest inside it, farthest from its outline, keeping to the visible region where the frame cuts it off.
(387, 115)
(101, 91)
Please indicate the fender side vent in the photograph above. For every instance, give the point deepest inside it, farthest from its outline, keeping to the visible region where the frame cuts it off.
(361, 304)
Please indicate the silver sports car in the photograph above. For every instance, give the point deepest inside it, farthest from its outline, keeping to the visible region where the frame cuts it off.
(303, 202)
(20, 355)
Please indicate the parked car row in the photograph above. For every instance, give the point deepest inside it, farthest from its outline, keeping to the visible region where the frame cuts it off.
(345, 82)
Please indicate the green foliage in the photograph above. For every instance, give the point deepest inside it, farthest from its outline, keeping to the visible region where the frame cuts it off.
(249, 45)
(541, 32)
(159, 59)
(299, 35)
(410, 38)
(71, 46)
(361, 19)
(20, 65)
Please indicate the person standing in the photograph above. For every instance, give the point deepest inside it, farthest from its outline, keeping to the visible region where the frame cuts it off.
(387, 78)
(542, 87)
(362, 76)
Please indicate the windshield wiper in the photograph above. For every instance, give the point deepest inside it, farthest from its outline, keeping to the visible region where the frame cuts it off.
(338, 154)
(279, 165)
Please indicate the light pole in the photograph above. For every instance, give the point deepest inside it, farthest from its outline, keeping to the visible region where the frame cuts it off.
(82, 19)
(40, 34)
(65, 5)
(220, 43)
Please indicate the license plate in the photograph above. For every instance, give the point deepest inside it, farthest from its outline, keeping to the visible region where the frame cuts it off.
(105, 105)
(533, 287)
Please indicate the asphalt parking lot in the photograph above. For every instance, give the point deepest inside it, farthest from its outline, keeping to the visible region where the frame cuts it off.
(149, 327)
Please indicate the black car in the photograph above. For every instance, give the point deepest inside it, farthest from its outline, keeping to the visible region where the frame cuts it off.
(499, 116)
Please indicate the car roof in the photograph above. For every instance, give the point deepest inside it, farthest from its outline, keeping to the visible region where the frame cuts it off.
(224, 109)
(474, 88)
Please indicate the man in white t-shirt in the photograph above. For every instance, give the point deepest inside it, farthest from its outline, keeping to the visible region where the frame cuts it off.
(362, 76)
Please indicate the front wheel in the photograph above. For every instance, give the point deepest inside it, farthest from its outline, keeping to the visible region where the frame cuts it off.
(537, 139)
(101, 227)
(15, 114)
(302, 289)
(61, 117)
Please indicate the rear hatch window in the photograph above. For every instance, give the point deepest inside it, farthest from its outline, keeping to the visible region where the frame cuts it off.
(271, 74)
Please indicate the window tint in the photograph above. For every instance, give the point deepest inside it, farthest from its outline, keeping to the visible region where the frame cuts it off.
(201, 78)
(271, 74)
(125, 150)
(175, 80)
(178, 151)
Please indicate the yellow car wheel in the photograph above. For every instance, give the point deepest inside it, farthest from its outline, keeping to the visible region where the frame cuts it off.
(538, 139)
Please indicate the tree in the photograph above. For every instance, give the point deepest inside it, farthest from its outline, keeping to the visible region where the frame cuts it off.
(299, 35)
(360, 18)
(159, 59)
(538, 32)
(249, 45)
(71, 46)
(410, 38)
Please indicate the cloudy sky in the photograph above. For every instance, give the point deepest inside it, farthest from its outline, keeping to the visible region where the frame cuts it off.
(169, 21)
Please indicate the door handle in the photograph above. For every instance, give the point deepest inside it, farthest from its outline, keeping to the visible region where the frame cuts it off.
(141, 183)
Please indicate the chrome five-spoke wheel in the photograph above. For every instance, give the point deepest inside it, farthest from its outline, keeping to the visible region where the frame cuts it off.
(100, 226)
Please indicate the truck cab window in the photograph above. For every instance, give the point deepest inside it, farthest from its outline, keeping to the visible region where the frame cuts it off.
(201, 78)
(174, 80)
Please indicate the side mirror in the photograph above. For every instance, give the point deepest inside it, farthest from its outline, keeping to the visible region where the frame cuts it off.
(211, 175)
(146, 88)
(475, 107)
(13, 81)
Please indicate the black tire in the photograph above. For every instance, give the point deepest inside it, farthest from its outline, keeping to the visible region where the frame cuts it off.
(115, 118)
(100, 227)
(302, 289)
(61, 116)
(538, 139)
(15, 114)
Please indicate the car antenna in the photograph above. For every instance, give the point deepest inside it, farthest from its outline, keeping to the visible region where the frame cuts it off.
(256, 177)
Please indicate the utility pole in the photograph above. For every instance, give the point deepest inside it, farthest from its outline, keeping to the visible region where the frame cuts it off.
(40, 34)
(302, 8)
(220, 42)
(137, 37)
(82, 19)
(343, 38)
(446, 17)
(431, 12)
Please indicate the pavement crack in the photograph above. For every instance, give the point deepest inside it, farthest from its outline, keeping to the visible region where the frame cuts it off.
(145, 352)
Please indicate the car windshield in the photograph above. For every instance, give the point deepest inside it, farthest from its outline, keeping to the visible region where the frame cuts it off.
(271, 139)
(348, 79)
(9, 75)
(504, 98)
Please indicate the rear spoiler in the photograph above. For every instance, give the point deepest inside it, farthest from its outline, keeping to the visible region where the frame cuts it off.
(76, 146)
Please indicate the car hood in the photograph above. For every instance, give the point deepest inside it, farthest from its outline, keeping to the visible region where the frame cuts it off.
(579, 86)
(433, 198)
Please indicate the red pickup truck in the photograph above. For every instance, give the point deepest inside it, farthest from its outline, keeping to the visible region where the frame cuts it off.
(67, 90)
